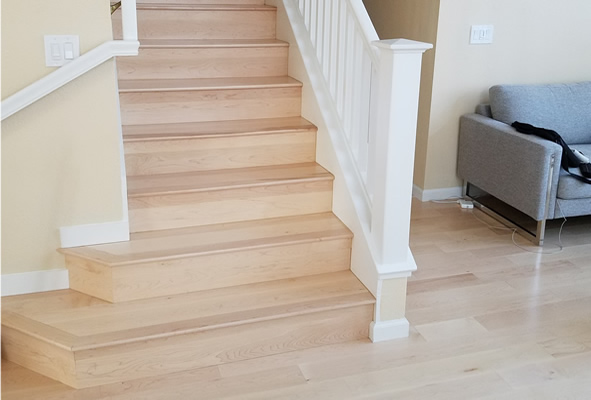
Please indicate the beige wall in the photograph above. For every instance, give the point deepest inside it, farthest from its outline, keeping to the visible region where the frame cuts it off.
(416, 20)
(535, 41)
(60, 156)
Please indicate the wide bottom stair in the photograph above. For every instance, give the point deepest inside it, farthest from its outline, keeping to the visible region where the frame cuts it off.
(83, 341)
(234, 252)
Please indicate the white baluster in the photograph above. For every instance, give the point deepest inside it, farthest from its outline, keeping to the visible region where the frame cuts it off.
(356, 99)
(342, 52)
(320, 31)
(349, 65)
(365, 100)
(313, 22)
(334, 46)
(129, 20)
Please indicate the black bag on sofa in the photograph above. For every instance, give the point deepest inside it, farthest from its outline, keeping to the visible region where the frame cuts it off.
(569, 159)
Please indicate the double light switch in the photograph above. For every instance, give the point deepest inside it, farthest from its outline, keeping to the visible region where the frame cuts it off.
(59, 49)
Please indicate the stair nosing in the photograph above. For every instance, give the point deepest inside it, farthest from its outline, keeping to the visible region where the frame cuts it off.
(367, 300)
(236, 246)
(235, 249)
(197, 84)
(211, 133)
(273, 182)
(204, 7)
(210, 43)
(54, 342)
(328, 294)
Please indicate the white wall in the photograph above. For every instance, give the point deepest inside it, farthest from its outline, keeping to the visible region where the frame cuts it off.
(60, 156)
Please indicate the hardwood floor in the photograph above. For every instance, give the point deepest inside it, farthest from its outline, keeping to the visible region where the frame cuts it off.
(489, 321)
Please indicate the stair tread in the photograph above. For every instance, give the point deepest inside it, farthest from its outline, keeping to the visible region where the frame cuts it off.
(197, 43)
(214, 128)
(75, 321)
(185, 182)
(169, 85)
(211, 239)
(204, 7)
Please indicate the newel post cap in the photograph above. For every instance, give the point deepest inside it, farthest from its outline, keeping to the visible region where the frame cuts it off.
(403, 45)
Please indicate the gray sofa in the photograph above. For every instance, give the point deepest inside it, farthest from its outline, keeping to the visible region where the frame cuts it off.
(524, 171)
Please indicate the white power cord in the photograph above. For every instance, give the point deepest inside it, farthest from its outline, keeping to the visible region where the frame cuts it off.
(514, 231)
(466, 204)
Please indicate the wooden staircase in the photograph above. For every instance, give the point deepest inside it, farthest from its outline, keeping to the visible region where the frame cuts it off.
(234, 252)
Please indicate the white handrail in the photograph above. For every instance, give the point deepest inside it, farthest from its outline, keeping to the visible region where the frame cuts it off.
(127, 47)
(370, 88)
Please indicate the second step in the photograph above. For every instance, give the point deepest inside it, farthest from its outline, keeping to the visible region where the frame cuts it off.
(176, 261)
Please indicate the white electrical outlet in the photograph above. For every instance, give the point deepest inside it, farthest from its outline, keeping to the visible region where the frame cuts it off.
(60, 49)
(481, 34)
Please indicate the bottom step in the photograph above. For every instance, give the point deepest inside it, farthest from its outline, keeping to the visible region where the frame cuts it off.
(83, 341)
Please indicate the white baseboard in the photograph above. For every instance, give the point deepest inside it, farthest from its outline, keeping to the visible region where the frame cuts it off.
(90, 234)
(436, 194)
(33, 282)
(388, 330)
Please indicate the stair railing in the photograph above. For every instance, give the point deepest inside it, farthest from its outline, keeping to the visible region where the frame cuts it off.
(371, 90)
(127, 47)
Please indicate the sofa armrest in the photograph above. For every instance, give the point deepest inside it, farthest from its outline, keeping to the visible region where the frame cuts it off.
(507, 164)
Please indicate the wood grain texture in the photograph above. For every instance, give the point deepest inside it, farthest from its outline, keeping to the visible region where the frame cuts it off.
(207, 348)
(159, 245)
(218, 2)
(112, 342)
(183, 85)
(189, 21)
(140, 108)
(24, 348)
(164, 278)
(217, 180)
(169, 262)
(90, 277)
(171, 131)
(524, 360)
(213, 197)
(186, 59)
(231, 151)
(231, 205)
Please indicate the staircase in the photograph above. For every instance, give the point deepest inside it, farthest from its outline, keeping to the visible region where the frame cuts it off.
(234, 251)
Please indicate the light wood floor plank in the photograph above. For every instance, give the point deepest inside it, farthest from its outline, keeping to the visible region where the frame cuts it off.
(536, 344)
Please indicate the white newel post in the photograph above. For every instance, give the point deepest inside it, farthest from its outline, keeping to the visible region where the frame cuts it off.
(129, 19)
(396, 100)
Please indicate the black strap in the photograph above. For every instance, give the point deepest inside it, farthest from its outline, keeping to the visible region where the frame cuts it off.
(568, 159)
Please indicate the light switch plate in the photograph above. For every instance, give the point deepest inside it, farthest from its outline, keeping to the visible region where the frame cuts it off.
(481, 34)
(60, 49)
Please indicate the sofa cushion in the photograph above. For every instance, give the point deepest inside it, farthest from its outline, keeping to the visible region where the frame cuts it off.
(570, 188)
(565, 108)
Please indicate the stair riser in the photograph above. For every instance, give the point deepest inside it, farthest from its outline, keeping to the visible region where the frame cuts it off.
(207, 24)
(140, 108)
(39, 356)
(216, 2)
(150, 213)
(188, 63)
(206, 154)
(170, 277)
(220, 346)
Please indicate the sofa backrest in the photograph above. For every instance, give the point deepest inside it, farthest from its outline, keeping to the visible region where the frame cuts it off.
(564, 108)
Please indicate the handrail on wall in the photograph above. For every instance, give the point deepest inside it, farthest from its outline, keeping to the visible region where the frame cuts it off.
(127, 47)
